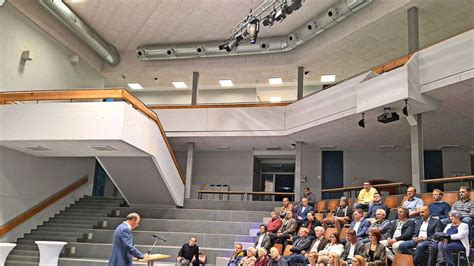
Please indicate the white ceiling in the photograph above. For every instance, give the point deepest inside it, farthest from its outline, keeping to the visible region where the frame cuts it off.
(374, 35)
(452, 123)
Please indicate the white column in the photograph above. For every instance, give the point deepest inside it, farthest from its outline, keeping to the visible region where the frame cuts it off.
(298, 169)
(417, 160)
(189, 170)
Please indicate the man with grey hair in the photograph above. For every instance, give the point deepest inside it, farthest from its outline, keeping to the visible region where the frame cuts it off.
(123, 249)
(383, 225)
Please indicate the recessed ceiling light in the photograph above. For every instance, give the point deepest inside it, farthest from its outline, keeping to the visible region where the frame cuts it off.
(226, 83)
(275, 99)
(275, 81)
(328, 78)
(223, 148)
(179, 85)
(327, 147)
(448, 147)
(135, 86)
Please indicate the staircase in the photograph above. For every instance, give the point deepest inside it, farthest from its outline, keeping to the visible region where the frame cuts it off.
(88, 226)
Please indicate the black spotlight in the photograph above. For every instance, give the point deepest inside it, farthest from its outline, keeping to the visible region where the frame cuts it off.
(405, 109)
(362, 121)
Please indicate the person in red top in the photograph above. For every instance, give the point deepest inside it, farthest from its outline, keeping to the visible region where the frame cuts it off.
(274, 224)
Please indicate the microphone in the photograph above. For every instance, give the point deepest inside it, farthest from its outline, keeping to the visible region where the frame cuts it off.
(157, 237)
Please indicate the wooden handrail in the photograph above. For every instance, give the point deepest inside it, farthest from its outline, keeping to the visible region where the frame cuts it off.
(391, 65)
(450, 179)
(93, 94)
(233, 105)
(41, 206)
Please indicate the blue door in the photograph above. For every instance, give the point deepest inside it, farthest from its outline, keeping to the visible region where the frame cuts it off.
(332, 172)
(433, 168)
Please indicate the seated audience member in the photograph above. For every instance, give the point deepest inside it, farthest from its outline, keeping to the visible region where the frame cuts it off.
(341, 217)
(352, 248)
(465, 206)
(302, 211)
(276, 259)
(287, 229)
(262, 259)
(274, 224)
(358, 260)
(381, 224)
(374, 252)
(376, 205)
(425, 229)
(287, 206)
(439, 209)
(250, 259)
(300, 246)
(310, 224)
(366, 196)
(263, 240)
(334, 246)
(310, 196)
(237, 256)
(454, 238)
(359, 224)
(187, 252)
(413, 203)
(402, 230)
(318, 244)
(333, 260)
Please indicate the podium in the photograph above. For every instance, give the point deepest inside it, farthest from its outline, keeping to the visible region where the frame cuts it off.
(151, 259)
(5, 249)
(49, 252)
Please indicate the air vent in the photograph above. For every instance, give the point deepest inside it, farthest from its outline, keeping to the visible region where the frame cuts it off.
(327, 147)
(386, 147)
(223, 148)
(38, 148)
(273, 148)
(448, 147)
(103, 148)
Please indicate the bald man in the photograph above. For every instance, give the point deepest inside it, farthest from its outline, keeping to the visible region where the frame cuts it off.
(425, 228)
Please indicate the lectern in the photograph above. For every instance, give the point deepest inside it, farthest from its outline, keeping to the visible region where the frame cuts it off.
(151, 259)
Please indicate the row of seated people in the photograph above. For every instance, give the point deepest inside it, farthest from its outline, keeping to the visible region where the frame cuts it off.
(392, 232)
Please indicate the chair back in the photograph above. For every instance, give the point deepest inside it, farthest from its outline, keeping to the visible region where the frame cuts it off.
(332, 205)
(450, 197)
(391, 201)
(287, 250)
(403, 260)
(427, 199)
(320, 205)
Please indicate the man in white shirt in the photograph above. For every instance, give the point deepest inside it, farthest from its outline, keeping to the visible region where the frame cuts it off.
(263, 240)
(352, 248)
(402, 231)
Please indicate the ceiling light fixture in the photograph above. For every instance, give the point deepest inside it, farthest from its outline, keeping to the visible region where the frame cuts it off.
(388, 116)
(252, 29)
(135, 86)
(275, 81)
(275, 99)
(226, 83)
(405, 109)
(328, 78)
(361, 122)
(179, 85)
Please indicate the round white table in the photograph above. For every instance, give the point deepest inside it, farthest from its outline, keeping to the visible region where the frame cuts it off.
(5, 249)
(49, 252)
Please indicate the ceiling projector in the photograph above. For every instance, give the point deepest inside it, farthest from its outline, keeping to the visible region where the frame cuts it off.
(387, 116)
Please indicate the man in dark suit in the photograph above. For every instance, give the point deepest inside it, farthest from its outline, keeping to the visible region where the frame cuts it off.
(300, 246)
(318, 244)
(424, 232)
(302, 211)
(352, 248)
(263, 240)
(402, 230)
(359, 224)
(123, 249)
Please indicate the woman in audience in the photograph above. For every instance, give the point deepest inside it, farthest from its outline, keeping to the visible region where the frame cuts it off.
(250, 259)
(334, 246)
(334, 260)
(358, 260)
(374, 251)
(454, 238)
(262, 257)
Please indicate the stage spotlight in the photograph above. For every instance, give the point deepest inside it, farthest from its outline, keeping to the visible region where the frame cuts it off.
(252, 29)
(362, 121)
(405, 109)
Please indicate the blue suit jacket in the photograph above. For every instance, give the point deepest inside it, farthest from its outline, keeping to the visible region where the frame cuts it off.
(304, 213)
(123, 250)
(364, 225)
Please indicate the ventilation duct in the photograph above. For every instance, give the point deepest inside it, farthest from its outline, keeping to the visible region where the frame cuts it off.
(80, 28)
(307, 31)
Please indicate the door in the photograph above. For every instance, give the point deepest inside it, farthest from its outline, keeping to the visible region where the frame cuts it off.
(433, 168)
(332, 172)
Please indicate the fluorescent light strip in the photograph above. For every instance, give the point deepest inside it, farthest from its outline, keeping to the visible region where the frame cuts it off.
(179, 85)
(226, 83)
(135, 86)
(275, 81)
(328, 78)
(275, 99)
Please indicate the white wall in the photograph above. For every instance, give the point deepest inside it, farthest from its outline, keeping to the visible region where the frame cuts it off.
(27, 180)
(311, 168)
(455, 163)
(50, 67)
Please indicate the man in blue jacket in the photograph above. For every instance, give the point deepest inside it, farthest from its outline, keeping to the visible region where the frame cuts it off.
(359, 224)
(123, 249)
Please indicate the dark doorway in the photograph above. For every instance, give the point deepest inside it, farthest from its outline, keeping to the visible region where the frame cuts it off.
(277, 177)
(100, 178)
(433, 168)
(332, 172)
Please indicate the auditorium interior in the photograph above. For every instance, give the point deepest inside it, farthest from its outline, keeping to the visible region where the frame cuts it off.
(204, 116)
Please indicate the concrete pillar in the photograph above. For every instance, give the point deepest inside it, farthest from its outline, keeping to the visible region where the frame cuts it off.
(417, 160)
(189, 170)
(300, 82)
(195, 88)
(298, 169)
(413, 33)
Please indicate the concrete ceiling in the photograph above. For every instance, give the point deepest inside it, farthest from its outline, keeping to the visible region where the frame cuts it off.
(372, 36)
(452, 123)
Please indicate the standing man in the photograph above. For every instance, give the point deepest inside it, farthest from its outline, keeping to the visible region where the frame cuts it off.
(413, 203)
(310, 196)
(439, 209)
(123, 249)
(187, 252)
(366, 196)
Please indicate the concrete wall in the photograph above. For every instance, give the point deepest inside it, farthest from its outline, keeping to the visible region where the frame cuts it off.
(456, 163)
(50, 67)
(27, 180)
